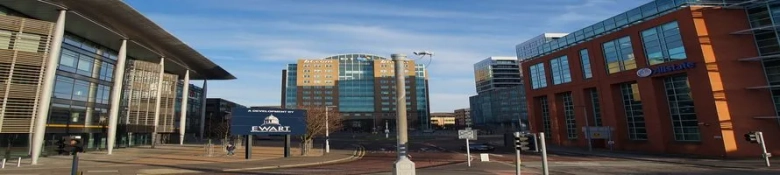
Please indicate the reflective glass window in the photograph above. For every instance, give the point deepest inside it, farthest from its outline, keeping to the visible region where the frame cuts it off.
(685, 124)
(585, 61)
(663, 44)
(619, 55)
(632, 105)
(538, 77)
(561, 71)
(63, 87)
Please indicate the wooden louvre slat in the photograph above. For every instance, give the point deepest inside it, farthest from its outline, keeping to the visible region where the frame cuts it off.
(10, 23)
(16, 125)
(29, 58)
(37, 27)
(6, 56)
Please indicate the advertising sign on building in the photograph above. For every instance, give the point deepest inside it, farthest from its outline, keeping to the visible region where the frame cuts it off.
(268, 121)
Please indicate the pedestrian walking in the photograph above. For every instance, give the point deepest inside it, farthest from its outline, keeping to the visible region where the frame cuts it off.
(230, 148)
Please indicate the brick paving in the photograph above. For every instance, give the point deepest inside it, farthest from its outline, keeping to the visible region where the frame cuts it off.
(176, 159)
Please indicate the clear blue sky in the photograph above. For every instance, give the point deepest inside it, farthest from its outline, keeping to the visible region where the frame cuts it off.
(256, 39)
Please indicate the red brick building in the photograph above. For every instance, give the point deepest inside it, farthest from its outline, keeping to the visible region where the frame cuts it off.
(671, 83)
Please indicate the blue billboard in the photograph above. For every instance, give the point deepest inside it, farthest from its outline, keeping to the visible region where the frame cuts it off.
(267, 121)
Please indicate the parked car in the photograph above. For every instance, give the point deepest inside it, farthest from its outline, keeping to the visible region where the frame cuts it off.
(479, 147)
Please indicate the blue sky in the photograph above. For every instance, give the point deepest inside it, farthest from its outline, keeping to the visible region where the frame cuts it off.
(256, 39)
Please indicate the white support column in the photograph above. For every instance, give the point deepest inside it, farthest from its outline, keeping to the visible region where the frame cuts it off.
(155, 137)
(185, 97)
(42, 114)
(203, 109)
(116, 95)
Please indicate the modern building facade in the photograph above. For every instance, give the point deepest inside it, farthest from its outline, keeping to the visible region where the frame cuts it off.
(496, 72)
(528, 49)
(670, 76)
(361, 86)
(463, 117)
(71, 71)
(217, 121)
(499, 104)
(443, 120)
(194, 112)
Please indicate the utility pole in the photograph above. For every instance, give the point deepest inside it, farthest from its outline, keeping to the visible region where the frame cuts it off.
(402, 166)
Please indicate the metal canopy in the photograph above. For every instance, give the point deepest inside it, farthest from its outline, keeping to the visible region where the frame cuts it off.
(106, 22)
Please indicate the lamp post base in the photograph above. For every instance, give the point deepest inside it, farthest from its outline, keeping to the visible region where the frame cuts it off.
(404, 166)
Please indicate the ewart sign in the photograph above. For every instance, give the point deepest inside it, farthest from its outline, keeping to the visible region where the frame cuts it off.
(268, 121)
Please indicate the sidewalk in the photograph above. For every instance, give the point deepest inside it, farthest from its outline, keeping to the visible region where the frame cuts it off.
(166, 159)
(757, 163)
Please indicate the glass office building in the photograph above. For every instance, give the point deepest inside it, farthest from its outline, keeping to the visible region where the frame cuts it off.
(86, 92)
(361, 86)
(670, 76)
(500, 101)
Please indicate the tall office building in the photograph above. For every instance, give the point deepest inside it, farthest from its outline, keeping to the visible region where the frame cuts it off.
(361, 86)
(100, 75)
(670, 76)
(194, 105)
(499, 104)
(528, 49)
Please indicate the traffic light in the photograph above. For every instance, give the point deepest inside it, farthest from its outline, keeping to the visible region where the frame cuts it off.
(751, 137)
(522, 142)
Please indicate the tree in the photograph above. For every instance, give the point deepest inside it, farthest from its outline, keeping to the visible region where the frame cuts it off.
(315, 124)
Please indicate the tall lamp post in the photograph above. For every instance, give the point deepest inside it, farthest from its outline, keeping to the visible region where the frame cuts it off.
(587, 126)
(402, 166)
(327, 129)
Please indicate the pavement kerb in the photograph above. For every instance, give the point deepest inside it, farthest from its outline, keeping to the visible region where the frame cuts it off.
(359, 152)
(654, 160)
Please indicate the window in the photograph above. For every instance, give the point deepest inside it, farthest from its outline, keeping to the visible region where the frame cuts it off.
(81, 90)
(619, 55)
(28, 42)
(68, 60)
(560, 70)
(585, 60)
(684, 121)
(106, 71)
(545, 117)
(663, 44)
(63, 88)
(538, 77)
(568, 111)
(594, 99)
(85, 65)
(635, 118)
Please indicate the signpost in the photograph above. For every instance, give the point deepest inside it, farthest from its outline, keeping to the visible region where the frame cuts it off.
(758, 137)
(467, 134)
(267, 121)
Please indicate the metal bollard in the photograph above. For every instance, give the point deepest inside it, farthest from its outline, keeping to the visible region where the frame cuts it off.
(19, 162)
(3, 166)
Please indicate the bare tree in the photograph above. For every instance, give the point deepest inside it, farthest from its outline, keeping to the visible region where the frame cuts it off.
(315, 124)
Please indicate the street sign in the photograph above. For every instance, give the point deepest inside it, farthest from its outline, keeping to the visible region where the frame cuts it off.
(266, 121)
(597, 132)
(522, 142)
(467, 134)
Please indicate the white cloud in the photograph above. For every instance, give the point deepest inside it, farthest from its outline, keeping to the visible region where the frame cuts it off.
(257, 39)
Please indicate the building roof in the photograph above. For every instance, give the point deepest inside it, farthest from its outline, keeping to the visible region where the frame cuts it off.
(106, 22)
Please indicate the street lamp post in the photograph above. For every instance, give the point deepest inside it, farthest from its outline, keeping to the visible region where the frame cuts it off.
(402, 166)
(327, 130)
(587, 127)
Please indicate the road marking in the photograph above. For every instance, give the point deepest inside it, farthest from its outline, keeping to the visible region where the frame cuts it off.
(497, 155)
(102, 171)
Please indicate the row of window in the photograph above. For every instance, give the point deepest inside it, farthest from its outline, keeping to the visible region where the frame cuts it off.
(661, 44)
(678, 95)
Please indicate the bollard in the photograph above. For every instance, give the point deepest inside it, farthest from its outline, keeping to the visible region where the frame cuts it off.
(3, 166)
(75, 165)
(19, 162)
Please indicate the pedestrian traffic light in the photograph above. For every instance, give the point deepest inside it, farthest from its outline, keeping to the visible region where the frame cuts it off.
(751, 137)
(522, 142)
